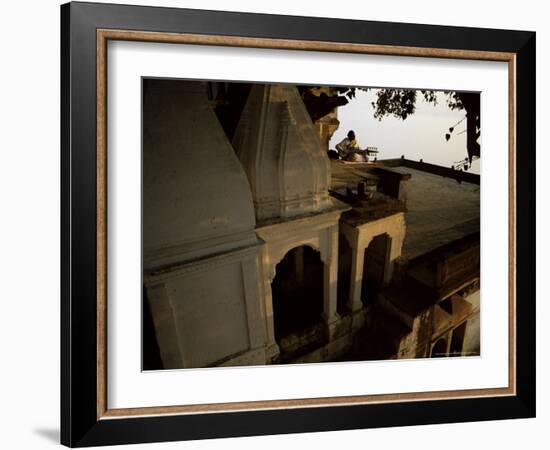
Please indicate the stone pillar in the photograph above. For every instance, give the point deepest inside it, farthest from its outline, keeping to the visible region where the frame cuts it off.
(357, 266)
(272, 349)
(165, 327)
(253, 290)
(388, 260)
(330, 291)
(395, 250)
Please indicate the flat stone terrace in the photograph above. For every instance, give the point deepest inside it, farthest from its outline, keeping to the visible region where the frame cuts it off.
(439, 209)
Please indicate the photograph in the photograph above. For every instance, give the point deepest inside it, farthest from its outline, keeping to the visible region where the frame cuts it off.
(286, 221)
(300, 224)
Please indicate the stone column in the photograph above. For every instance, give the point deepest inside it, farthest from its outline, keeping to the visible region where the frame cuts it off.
(252, 291)
(395, 251)
(165, 326)
(272, 349)
(357, 266)
(330, 291)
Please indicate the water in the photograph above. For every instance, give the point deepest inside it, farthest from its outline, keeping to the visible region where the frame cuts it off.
(420, 136)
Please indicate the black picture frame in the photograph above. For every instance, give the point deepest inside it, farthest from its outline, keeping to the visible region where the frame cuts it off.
(80, 425)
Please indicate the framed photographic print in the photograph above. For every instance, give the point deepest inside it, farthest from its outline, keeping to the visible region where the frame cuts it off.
(277, 224)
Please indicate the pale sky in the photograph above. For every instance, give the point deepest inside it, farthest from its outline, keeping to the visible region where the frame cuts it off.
(421, 135)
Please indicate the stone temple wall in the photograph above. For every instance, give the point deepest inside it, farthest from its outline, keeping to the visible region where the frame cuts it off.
(200, 250)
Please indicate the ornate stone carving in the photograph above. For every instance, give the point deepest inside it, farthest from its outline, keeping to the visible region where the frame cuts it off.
(280, 150)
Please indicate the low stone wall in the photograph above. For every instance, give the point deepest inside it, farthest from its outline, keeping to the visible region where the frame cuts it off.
(447, 172)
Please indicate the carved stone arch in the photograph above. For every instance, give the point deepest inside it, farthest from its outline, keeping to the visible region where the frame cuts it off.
(284, 251)
(278, 257)
(297, 289)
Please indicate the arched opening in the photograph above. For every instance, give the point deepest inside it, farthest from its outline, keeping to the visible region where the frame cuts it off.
(344, 274)
(439, 349)
(297, 292)
(375, 267)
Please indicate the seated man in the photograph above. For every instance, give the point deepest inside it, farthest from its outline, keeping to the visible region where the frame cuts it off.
(349, 149)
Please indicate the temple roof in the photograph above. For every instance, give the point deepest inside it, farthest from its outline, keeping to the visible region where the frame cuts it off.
(195, 192)
(282, 155)
(439, 208)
